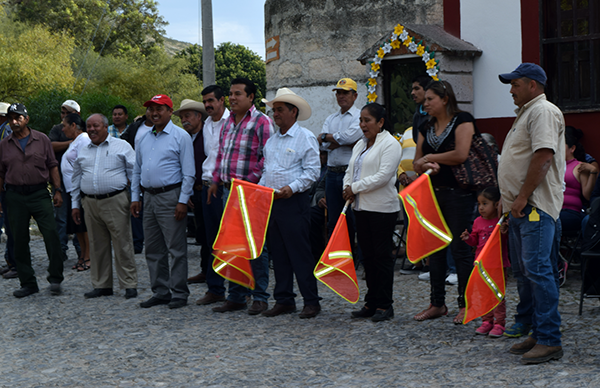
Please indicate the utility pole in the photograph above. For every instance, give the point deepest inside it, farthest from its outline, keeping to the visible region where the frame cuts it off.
(208, 46)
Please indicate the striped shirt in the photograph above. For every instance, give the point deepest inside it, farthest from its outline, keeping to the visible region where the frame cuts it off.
(241, 147)
(102, 169)
(291, 159)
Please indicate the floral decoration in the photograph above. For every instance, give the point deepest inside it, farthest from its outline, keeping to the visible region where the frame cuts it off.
(398, 37)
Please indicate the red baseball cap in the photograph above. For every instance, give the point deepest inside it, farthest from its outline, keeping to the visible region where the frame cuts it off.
(159, 99)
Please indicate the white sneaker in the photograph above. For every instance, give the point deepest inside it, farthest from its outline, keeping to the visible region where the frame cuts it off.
(452, 279)
(424, 276)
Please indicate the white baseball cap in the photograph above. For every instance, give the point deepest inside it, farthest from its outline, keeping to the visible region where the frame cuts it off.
(73, 105)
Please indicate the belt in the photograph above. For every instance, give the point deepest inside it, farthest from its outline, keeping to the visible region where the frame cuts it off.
(159, 190)
(102, 196)
(27, 189)
(337, 169)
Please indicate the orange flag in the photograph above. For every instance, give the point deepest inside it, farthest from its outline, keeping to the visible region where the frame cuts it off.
(427, 230)
(336, 267)
(242, 231)
(485, 289)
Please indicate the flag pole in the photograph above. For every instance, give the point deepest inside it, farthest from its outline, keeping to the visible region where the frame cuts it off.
(346, 207)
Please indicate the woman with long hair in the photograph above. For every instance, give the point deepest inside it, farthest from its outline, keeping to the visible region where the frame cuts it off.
(445, 142)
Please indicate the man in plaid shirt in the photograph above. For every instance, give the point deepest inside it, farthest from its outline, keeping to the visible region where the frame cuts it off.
(241, 157)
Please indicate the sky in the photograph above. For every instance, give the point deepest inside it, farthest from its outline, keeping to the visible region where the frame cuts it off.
(236, 21)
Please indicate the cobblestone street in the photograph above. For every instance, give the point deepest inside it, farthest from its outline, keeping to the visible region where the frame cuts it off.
(68, 341)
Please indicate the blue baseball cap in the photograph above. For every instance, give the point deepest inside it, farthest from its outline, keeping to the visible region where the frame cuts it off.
(529, 70)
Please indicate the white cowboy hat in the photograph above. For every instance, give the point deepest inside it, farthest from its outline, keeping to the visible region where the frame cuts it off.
(188, 104)
(286, 95)
(4, 108)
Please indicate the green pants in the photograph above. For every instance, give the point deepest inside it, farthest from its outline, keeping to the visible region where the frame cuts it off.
(21, 209)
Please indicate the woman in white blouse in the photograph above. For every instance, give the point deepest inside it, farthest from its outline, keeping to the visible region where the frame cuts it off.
(74, 127)
(370, 184)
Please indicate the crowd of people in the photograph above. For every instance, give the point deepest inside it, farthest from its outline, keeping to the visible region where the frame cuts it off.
(117, 187)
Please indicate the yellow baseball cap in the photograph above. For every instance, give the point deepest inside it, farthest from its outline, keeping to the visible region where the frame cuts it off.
(346, 84)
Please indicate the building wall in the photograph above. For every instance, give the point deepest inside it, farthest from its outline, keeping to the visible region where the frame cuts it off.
(495, 28)
(321, 39)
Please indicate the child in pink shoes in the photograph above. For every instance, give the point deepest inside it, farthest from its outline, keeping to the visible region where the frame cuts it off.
(488, 200)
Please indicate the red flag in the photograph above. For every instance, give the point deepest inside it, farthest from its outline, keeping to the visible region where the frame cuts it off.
(485, 289)
(242, 231)
(336, 267)
(427, 230)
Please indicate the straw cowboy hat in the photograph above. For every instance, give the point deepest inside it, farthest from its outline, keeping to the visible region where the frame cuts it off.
(286, 95)
(188, 104)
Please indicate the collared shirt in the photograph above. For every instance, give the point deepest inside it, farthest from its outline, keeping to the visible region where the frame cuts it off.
(164, 158)
(69, 157)
(291, 159)
(102, 169)
(114, 131)
(539, 124)
(212, 134)
(241, 147)
(346, 131)
(29, 167)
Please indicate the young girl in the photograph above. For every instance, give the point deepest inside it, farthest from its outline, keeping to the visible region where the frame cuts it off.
(488, 201)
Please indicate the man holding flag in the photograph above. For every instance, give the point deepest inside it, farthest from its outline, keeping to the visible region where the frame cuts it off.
(291, 166)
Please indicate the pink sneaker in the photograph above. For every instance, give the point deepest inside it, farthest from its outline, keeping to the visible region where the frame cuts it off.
(485, 328)
(497, 331)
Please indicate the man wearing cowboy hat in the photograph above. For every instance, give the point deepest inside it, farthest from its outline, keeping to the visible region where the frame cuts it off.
(339, 134)
(291, 166)
(164, 171)
(192, 115)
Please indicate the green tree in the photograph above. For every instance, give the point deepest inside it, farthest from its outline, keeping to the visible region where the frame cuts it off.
(231, 61)
(125, 25)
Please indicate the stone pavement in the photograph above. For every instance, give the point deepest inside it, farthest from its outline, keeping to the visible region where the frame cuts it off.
(68, 341)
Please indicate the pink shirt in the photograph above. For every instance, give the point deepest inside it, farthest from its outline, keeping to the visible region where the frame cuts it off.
(572, 193)
(482, 229)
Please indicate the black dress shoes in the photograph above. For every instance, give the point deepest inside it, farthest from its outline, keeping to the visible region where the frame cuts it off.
(310, 311)
(154, 302)
(279, 309)
(55, 289)
(25, 291)
(130, 293)
(229, 306)
(383, 315)
(364, 312)
(176, 303)
(257, 307)
(98, 292)
(210, 298)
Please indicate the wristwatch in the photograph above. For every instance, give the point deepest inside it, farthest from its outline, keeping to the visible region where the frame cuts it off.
(323, 137)
(58, 190)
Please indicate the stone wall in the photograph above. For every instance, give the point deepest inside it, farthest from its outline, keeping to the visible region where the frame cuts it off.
(320, 41)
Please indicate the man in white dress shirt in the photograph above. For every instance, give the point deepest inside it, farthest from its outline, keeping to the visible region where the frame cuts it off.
(292, 165)
(100, 176)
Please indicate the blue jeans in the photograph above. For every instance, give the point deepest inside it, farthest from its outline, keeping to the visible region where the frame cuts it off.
(334, 185)
(212, 217)
(260, 269)
(571, 220)
(533, 248)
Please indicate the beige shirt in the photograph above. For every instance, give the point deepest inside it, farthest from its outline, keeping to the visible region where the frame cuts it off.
(539, 124)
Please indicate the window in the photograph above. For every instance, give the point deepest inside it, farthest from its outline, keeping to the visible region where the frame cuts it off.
(570, 42)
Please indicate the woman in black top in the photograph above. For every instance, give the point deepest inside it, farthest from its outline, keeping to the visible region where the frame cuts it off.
(445, 142)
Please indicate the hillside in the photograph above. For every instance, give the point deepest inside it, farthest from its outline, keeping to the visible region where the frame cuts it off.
(173, 46)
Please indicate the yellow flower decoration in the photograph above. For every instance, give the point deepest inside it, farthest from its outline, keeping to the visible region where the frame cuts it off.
(430, 63)
(372, 97)
(372, 82)
(395, 44)
(420, 50)
(375, 66)
(407, 41)
(435, 78)
(398, 29)
(380, 52)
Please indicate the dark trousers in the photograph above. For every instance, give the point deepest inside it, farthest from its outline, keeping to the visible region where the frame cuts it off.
(457, 208)
(212, 218)
(39, 206)
(289, 248)
(374, 232)
(9, 253)
(206, 248)
(137, 227)
(318, 232)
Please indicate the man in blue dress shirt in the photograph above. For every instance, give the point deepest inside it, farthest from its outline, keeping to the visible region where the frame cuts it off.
(164, 171)
(291, 166)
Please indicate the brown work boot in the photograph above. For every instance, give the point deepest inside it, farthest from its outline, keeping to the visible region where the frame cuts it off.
(257, 307)
(210, 298)
(200, 278)
(523, 347)
(542, 353)
(229, 306)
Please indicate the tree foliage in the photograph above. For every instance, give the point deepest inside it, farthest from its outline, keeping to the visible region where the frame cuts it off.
(124, 25)
(231, 61)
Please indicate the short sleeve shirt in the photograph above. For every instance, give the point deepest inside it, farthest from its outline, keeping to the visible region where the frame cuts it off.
(539, 124)
(445, 178)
